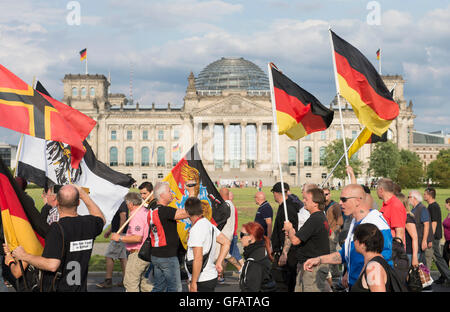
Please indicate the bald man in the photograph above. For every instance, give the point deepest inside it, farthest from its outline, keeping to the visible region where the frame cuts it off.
(68, 243)
(354, 202)
(264, 214)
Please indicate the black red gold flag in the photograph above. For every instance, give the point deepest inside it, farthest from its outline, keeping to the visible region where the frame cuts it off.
(362, 86)
(22, 224)
(298, 112)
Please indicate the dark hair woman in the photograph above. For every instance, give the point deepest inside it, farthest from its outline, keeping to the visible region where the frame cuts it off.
(255, 274)
(374, 276)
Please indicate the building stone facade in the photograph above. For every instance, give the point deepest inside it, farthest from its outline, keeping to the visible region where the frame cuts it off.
(229, 118)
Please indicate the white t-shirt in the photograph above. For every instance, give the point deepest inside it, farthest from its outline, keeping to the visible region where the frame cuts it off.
(200, 236)
(228, 228)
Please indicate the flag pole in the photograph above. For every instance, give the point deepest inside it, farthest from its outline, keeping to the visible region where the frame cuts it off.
(339, 100)
(277, 137)
(86, 63)
(134, 213)
(379, 63)
(343, 155)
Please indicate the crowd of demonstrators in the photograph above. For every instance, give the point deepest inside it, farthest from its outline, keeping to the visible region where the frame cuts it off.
(68, 241)
(436, 228)
(256, 273)
(134, 278)
(446, 225)
(285, 258)
(312, 238)
(204, 238)
(165, 240)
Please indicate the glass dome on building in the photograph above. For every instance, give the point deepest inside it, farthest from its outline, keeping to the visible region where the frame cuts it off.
(232, 73)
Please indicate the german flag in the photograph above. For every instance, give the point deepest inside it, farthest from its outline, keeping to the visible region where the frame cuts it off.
(378, 54)
(22, 224)
(299, 113)
(31, 112)
(189, 178)
(83, 54)
(363, 88)
(365, 137)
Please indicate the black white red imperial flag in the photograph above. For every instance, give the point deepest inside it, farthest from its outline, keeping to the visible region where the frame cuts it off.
(189, 178)
(46, 163)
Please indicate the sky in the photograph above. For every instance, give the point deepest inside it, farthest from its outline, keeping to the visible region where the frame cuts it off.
(161, 42)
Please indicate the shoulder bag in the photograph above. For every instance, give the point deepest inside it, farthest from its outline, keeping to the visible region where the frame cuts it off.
(189, 263)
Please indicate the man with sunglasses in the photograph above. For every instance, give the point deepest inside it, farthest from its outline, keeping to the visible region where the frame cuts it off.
(355, 202)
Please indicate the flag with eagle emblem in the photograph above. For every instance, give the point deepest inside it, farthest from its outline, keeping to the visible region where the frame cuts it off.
(189, 178)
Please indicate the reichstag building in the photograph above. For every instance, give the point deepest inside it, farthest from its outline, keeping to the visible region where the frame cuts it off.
(227, 111)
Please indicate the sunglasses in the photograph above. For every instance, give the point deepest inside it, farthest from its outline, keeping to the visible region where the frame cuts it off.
(191, 184)
(344, 199)
(326, 194)
(243, 234)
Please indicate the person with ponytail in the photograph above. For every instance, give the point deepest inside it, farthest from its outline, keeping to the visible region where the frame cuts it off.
(255, 274)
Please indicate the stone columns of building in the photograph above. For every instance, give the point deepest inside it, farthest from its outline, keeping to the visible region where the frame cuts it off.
(226, 138)
(243, 147)
(121, 149)
(259, 142)
(210, 156)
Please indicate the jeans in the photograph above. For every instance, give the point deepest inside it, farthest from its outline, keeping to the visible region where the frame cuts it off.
(166, 276)
(234, 249)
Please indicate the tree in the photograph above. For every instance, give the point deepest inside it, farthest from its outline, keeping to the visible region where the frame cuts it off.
(333, 152)
(410, 173)
(439, 170)
(385, 160)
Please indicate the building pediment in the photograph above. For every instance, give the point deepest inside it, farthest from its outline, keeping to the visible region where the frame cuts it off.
(234, 105)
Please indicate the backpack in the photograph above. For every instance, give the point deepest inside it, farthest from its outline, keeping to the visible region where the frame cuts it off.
(268, 283)
(400, 259)
(396, 284)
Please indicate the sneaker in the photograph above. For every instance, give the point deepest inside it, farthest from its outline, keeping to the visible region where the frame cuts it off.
(221, 280)
(106, 284)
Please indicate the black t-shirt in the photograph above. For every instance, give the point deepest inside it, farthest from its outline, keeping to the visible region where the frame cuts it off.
(410, 219)
(278, 235)
(435, 214)
(314, 237)
(79, 234)
(164, 232)
(115, 223)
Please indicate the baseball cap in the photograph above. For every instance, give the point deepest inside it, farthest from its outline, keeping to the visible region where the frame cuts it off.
(277, 187)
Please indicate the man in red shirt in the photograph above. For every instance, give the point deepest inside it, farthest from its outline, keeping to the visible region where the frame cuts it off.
(393, 210)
